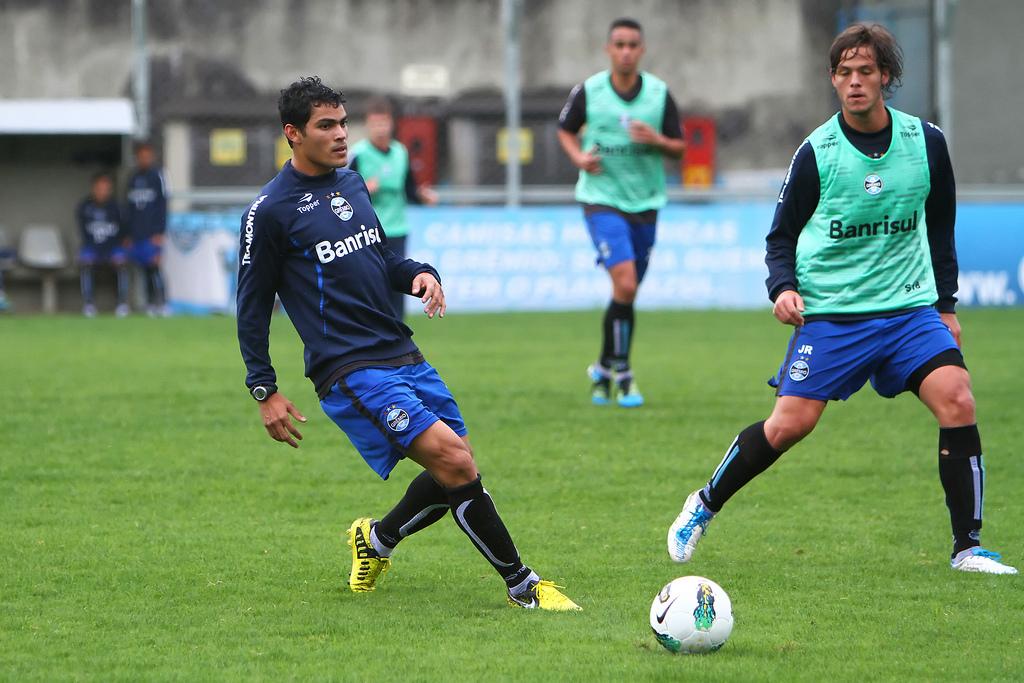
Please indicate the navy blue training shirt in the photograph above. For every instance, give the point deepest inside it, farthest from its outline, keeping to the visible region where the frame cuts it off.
(146, 209)
(316, 242)
(99, 225)
(799, 199)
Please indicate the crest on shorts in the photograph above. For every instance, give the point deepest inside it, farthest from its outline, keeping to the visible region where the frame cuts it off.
(340, 206)
(397, 419)
(799, 370)
(873, 184)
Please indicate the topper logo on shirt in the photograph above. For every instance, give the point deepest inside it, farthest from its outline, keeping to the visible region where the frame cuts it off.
(327, 252)
(340, 206)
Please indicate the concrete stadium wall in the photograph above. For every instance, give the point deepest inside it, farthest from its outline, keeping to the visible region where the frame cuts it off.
(757, 66)
(989, 91)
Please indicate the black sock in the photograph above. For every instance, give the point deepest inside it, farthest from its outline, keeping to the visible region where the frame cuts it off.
(122, 285)
(618, 336)
(963, 478)
(154, 286)
(87, 284)
(475, 514)
(749, 455)
(424, 502)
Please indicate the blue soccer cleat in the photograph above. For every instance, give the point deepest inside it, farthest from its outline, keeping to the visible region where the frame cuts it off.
(690, 525)
(601, 387)
(977, 559)
(627, 393)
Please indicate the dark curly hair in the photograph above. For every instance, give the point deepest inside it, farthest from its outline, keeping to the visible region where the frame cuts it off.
(888, 54)
(295, 105)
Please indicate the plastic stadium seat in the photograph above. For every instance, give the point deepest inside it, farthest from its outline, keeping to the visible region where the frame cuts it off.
(41, 249)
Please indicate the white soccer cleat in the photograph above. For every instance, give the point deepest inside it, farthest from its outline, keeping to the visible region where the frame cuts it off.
(690, 525)
(977, 559)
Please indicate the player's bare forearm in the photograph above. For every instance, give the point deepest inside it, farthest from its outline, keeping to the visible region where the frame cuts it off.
(672, 147)
(588, 161)
(277, 412)
(570, 143)
(644, 134)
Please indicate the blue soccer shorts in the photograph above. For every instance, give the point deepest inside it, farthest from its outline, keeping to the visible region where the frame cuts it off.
(831, 361)
(92, 256)
(383, 409)
(618, 240)
(145, 252)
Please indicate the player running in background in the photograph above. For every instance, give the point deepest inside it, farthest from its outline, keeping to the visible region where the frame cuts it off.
(629, 123)
(103, 236)
(312, 238)
(146, 219)
(384, 164)
(862, 262)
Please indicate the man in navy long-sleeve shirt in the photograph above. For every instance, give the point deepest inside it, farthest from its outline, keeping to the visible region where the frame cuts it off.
(146, 219)
(312, 238)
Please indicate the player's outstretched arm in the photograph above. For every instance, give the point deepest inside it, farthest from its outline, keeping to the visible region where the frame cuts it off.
(429, 290)
(789, 308)
(277, 412)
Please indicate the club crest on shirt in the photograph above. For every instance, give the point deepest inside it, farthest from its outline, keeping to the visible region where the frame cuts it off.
(799, 370)
(340, 206)
(873, 184)
(397, 419)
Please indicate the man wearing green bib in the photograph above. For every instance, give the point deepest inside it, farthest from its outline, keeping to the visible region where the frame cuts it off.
(629, 123)
(384, 164)
(862, 262)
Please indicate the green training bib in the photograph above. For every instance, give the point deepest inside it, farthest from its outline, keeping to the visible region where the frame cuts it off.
(633, 175)
(865, 248)
(389, 168)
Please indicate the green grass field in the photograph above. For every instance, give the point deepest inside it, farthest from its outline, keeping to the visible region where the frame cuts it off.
(151, 530)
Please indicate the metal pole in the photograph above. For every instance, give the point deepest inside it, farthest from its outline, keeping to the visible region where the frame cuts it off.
(944, 67)
(140, 69)
(510, 16)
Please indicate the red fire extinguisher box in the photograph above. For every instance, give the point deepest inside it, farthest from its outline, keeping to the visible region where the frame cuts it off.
(699, 157)
(419, 135)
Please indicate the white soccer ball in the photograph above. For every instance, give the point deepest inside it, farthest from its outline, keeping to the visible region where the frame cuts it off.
(691, 615)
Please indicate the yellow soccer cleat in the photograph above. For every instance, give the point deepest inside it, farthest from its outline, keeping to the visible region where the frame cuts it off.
(543, 595)
(367, 565)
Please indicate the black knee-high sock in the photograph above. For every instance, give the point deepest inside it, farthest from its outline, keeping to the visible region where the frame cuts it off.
(424, 502)
(475, 514)
(122, 284)
(749, 455)
(617, 339)
(87, 284)
(963, 478)
(154, 285)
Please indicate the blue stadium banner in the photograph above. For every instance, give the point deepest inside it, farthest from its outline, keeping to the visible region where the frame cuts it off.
(541, 257)
(990, 249)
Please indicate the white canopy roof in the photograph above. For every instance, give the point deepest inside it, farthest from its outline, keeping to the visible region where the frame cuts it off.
(115, 116)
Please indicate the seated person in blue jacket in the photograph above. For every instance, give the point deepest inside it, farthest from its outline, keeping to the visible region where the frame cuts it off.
(103, 235)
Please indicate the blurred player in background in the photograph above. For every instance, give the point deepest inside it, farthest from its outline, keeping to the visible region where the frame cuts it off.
(313, 238)
(862, 262)
(103, 236)
(384, 164)
(146, 218)
(629, 123)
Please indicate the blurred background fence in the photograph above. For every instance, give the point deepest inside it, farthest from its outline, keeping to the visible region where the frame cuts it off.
(82, 78)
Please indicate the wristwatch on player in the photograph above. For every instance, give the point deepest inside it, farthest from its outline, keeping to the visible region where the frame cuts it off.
(261, 392)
